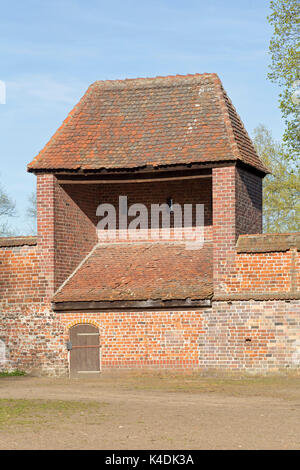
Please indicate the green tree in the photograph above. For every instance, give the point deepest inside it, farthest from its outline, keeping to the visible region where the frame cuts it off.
(7, 210)
(285, 68)
(281, 189)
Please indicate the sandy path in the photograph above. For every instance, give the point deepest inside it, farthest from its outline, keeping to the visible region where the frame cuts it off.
(147, 419)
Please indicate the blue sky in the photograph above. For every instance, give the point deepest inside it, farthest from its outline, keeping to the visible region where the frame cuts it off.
(51, 50)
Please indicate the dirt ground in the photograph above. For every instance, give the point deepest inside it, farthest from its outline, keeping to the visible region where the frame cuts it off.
(145, 411)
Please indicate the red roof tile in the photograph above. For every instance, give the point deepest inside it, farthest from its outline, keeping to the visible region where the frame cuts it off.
(162, 121)
(141, 271)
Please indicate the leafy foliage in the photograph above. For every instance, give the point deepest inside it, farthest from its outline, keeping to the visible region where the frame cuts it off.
(285, 67)
(281, 197)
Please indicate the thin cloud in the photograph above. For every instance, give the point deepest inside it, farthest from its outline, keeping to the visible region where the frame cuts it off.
(46, 49)
(44, 89)
(214, 56)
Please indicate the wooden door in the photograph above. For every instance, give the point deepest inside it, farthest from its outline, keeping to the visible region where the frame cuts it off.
(85, 351)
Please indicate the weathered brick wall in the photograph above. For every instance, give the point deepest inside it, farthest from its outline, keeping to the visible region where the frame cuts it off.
(254, 322)
(66, 227)
(248, 202)
(263, 273)
(195, 191)
(67, 216)
(256, 336)
(251, 335)
(266, 266)
(224, 223)
(237, 209)
(21, 280)
(140, 339)
(46, 229)
(75, 232)
(29, 329)
(242, 335)
(33, 337)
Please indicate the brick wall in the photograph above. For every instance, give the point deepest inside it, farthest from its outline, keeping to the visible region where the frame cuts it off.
(30, 331)
(144, 338)
(75, 232)
(224, 223)
(21, 279)
(254, 321)
(66, 227)
(248, 202)
(244, 335)
(197, 191)
(45, 229)
(251, 335)
(263, 273)
(67, 216)
(237, 209)
(266, 266)
(258, 335)
(33, 338)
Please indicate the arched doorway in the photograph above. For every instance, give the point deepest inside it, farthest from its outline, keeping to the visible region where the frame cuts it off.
(84, 350)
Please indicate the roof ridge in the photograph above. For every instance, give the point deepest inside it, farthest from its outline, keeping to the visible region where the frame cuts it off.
(133, 244)
(141, 82)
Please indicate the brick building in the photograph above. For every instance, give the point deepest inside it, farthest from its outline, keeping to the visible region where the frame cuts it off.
(73, 302)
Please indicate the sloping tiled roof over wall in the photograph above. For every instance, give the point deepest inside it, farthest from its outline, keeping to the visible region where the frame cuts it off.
(141, 271)
(155, 122)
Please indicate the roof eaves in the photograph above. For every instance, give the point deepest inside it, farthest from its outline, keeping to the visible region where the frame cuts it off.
(221, 94)
(153, 82)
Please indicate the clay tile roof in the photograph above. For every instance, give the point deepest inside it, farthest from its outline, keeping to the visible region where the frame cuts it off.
(141, 271)
(269, 242)
(17, 241)
(149, 122)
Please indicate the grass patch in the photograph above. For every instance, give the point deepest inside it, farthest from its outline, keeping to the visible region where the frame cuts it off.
(13, 373)
(36, 412)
